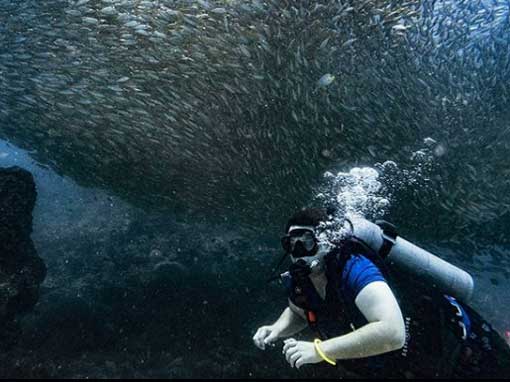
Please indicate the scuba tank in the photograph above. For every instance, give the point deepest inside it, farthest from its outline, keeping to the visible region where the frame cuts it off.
(382, 238)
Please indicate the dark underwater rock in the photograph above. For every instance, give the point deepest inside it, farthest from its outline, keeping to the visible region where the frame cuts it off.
(151, 300)
(21, 269)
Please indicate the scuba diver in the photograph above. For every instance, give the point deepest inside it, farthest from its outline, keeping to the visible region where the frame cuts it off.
(355, 295)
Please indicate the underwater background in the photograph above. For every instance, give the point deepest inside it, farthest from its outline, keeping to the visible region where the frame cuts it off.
(171, 140)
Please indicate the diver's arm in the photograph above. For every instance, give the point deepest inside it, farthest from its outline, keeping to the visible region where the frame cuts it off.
(384, 332)
(291, 321)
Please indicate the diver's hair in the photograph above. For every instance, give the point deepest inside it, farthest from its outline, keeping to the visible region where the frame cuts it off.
(307, 216)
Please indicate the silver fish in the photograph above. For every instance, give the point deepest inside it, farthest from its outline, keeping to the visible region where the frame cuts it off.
(326, 80)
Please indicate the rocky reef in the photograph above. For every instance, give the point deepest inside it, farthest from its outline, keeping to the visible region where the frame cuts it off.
(21, 269)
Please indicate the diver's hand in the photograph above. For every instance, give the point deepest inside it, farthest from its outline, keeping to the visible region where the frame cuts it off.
(299, 353)
(266, 335)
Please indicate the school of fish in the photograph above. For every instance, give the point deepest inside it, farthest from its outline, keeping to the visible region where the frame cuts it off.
(237, 107)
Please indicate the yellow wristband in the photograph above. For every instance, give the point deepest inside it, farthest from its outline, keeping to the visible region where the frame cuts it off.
(316, 342)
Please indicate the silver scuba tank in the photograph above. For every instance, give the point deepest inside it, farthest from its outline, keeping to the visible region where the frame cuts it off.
(412, 259)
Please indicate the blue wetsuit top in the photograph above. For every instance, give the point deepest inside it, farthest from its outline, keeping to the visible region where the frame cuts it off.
(358, 272)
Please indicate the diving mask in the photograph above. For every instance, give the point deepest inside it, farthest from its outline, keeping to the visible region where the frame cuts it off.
(300, 242)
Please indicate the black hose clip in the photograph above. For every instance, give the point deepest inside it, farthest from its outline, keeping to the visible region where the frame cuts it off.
(389, 235)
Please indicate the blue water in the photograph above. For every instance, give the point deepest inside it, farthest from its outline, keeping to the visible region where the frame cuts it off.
(171, 140)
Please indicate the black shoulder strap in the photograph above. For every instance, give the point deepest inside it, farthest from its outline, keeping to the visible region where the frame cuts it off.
(336, 261)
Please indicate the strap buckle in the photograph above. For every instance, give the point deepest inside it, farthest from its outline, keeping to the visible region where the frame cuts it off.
(458, 313)
(464, 331)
